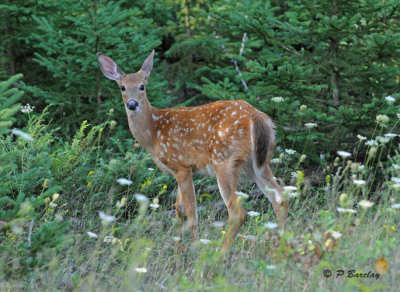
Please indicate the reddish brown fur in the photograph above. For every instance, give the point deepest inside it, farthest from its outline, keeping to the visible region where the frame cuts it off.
(217, 139)
(203, 135)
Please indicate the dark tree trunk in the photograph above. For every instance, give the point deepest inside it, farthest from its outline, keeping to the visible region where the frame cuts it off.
(334, 49)
(11, 56)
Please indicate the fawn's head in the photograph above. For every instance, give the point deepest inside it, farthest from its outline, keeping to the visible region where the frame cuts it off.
(132, 86)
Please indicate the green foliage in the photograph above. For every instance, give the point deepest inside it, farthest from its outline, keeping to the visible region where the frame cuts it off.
(24, 248)
(65, 47)
(330, 56)
(44, 181)
(21, 197)
(8, 102)
(324, 71)
(17, 29)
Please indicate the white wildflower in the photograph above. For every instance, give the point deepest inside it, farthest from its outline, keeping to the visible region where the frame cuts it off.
(396, 180)
(92, 235)
(390, 99)
(124, 182)
(336, 234)
(22, 134)
(343, 210)
(141, 198)
(390, 135)
(253, 213)
(106, 218)
(154, 206)
(396, 166)
(310, 125)
(151, 169)
(359, 182)
(383, 140)
(176, 238)
(141, 270)
(343, 154)
(277, 99)
(205, 241)
(289, 188)
(290, 151)
(270, 267)
(292, 194)
(361, 167)
(241, 194)
(396, 206)
(382, 119)
(275, 161)
(371, 143)
(27, 108)
(361, 138)
(271, 225)
(52, 205)
(294, 174)
(366, 204)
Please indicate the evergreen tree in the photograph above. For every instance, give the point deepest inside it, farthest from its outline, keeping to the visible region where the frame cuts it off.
(16, 35)
(332, 56)
(192, 50)
(67, 45)
(9, 96)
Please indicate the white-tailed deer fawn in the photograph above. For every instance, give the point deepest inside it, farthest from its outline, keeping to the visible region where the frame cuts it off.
(217, 139)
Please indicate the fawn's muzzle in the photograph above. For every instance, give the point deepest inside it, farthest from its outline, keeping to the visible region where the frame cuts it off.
(132, 105)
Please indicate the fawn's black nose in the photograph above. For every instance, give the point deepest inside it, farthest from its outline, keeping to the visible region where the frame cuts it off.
(132, 105)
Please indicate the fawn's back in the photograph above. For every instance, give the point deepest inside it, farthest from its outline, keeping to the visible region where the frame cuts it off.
(202, 136)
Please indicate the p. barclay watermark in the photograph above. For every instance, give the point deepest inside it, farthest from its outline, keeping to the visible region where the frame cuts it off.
(351, 274)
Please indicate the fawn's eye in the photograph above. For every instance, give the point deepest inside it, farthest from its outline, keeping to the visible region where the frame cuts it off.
(141, 87)
(123, 88)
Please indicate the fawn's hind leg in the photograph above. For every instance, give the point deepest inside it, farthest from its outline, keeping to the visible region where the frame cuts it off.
(265, 180)
(227, 176)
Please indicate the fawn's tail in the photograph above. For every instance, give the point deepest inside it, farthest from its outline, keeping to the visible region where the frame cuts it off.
(264, 139)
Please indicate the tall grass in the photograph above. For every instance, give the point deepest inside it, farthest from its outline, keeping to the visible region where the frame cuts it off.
(349, 220)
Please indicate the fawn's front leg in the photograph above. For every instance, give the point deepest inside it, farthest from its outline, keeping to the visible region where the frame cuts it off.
(188, 197)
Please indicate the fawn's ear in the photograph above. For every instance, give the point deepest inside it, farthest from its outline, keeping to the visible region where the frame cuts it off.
(109, 68)
(148, 64)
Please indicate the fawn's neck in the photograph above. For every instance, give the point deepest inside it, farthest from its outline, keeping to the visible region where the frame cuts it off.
(141, 125)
